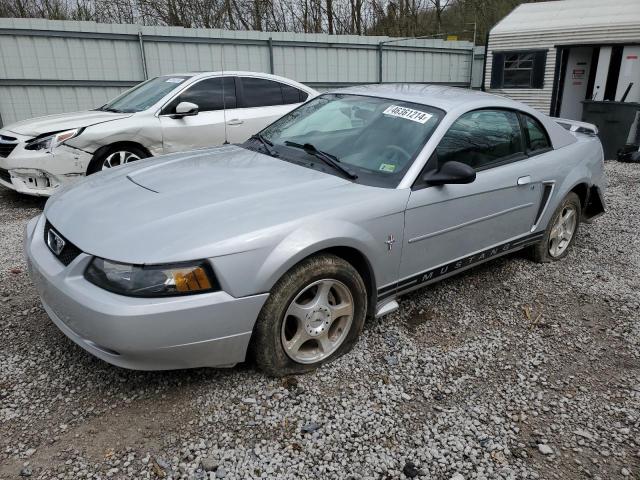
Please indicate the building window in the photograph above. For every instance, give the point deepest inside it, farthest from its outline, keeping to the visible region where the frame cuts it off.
(518, 70)
(523, 69)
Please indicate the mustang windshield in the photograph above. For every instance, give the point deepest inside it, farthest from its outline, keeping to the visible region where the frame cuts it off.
(146, 94)
(376, 138)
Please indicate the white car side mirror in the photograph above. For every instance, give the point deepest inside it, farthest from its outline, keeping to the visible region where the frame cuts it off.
(186, 109)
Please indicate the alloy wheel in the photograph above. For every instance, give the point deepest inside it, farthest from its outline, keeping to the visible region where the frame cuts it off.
(116, 159)
(562, 231)
(317, 321)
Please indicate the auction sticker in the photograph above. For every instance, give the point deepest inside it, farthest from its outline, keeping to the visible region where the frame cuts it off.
(407, 113)
(387, 167)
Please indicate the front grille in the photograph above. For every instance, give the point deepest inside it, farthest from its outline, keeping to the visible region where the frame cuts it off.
(6, 149)
(7, 144)
(4, 175)
(69, 251)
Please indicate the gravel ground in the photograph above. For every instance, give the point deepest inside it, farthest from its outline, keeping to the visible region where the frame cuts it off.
(512, 370)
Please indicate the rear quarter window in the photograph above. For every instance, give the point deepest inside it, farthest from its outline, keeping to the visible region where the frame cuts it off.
(292, 95)
(537, 138)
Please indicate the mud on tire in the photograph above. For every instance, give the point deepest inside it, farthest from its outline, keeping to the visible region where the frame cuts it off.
(270, 335)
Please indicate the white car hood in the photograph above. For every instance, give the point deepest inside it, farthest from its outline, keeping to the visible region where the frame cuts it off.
(63, 121)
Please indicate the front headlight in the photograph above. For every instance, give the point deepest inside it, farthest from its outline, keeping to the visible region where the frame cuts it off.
(152, 280)
(49, 142)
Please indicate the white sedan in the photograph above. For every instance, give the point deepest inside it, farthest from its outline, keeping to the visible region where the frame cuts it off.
(165, 114)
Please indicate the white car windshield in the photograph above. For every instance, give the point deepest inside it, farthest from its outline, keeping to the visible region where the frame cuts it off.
(374, 139)
(145, 95)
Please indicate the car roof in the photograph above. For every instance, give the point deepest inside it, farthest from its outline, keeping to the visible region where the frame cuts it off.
(237, 73)
(444, 97)
(456, 101)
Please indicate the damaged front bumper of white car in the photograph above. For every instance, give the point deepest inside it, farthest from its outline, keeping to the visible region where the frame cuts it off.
(39, 172)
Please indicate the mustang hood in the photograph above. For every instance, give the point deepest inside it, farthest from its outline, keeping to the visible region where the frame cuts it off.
(63, 121)
(194, 205)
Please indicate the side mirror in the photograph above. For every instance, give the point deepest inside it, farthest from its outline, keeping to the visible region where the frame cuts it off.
(450, 172)
(186, 109)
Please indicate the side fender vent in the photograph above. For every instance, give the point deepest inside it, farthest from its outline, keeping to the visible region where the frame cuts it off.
(544, 201)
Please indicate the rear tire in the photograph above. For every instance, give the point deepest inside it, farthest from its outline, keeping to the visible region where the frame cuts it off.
(114, 156)
(313, 315)
(560, 233)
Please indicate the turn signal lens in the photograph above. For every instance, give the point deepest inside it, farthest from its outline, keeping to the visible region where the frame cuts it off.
(192, 281)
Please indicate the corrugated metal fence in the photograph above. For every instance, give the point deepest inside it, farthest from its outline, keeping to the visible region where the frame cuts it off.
(56, 66)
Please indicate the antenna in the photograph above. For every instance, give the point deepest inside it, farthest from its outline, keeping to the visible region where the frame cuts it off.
(224, 99)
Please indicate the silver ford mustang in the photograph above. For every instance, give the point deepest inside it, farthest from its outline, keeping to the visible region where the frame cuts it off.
(281, 247)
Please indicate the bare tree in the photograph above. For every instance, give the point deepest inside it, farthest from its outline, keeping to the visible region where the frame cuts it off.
(387, 17)
(439, 6)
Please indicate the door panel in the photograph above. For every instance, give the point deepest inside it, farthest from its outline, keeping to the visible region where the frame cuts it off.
(449, 222)
(244, 122)
(575, 84)
(207, 128)
(202, 130)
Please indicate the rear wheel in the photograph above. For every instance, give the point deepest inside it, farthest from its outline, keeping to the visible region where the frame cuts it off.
(561, 232)
(115, 156)
(313, 315)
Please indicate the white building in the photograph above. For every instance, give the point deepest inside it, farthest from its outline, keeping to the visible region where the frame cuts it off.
(553, 55)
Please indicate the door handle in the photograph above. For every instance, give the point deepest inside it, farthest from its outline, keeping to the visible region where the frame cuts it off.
(526, 180)
(235, 121)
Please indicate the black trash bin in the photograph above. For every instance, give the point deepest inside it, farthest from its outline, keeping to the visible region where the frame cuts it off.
(614, 120)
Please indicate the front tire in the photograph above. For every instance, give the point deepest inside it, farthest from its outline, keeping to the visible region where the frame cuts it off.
(313, 315)
(561, 231)
(114, 156)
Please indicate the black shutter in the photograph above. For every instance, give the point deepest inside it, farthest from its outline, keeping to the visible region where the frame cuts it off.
(497, 70)
(539, 64)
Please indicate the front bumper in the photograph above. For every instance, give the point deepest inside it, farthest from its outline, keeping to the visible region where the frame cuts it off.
(41, 172)
(208, 330)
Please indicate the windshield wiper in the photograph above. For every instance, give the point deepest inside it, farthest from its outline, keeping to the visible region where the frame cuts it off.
(327, 158)
(104, 108)
(267, 144)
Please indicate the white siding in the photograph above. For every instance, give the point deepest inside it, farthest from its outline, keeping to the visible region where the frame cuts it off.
(551, 25)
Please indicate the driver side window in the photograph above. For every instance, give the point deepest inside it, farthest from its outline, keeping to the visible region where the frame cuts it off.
(482, 139)
(208, 95)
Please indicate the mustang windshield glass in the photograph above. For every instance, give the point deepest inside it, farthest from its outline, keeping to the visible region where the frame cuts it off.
(376, 138)
(145, 95)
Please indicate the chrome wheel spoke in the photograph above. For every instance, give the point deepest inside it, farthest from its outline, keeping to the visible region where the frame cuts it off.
(340, 310)
(568, 218)
(326, 345)
(322, 294)
(299, 311)
(293, 345)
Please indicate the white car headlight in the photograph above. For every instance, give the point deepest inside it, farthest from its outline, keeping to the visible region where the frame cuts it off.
(51, 141)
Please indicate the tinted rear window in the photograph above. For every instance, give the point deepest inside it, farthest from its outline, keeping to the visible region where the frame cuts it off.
(259, 92)
(292, 94)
